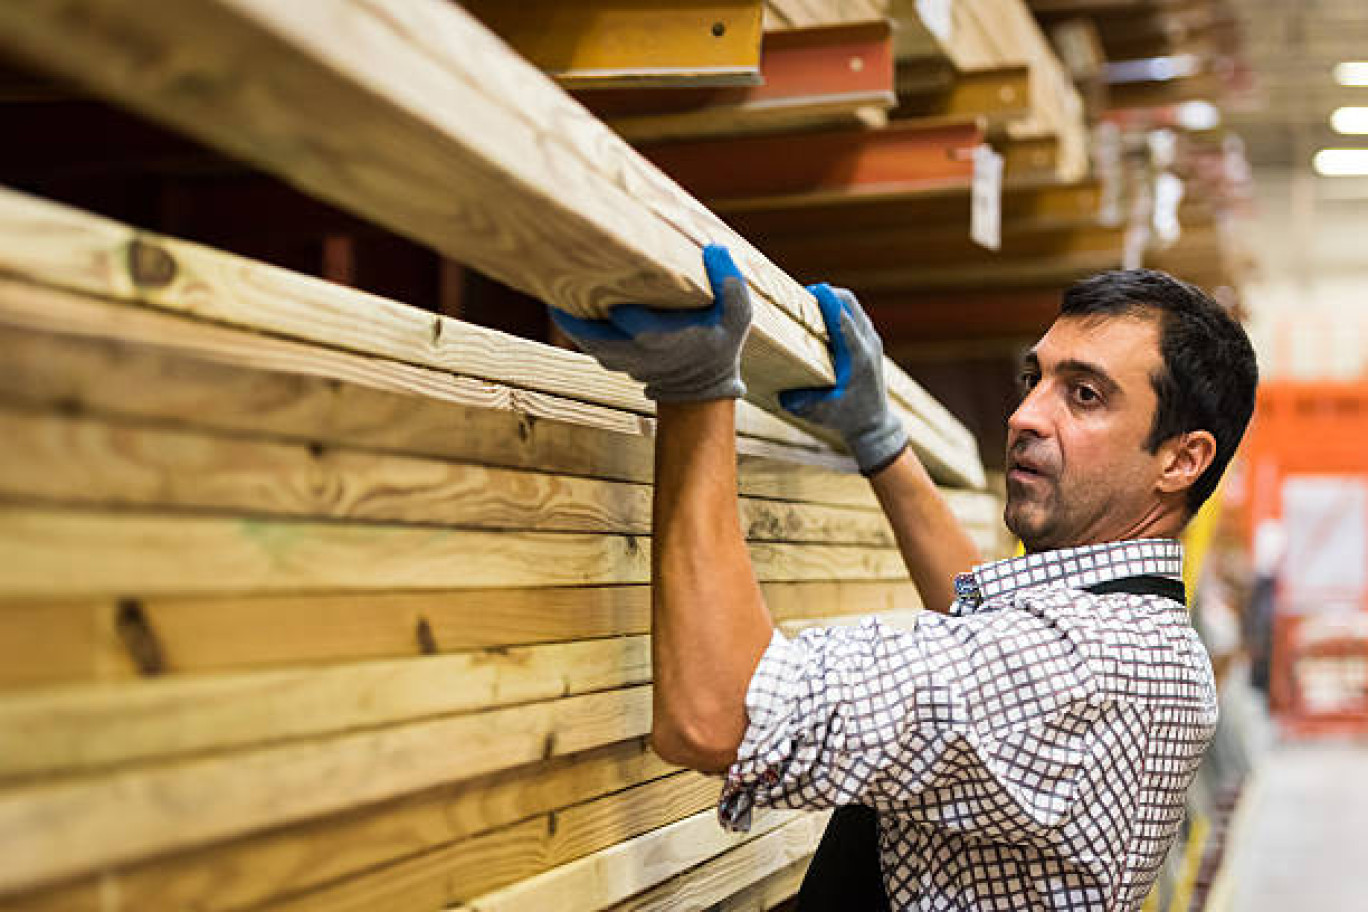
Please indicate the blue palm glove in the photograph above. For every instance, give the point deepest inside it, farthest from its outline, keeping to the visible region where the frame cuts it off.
(857, 406)
(680, 355)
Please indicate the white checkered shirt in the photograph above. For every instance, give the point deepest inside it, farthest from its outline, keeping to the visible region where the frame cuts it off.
(1032, 751)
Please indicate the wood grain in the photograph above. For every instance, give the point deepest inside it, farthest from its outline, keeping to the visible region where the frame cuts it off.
(47, 642)
(619, 872)
(57, 245)
(64, 247)
(75, 353)
(81, 729)
(534, 192)
(767, 893)
(756, 875)
(66, 828)
(88, 462)
(146, 554)
(782, 15)
(289, 860)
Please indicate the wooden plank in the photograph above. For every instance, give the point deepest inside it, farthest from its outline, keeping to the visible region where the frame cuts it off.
(128, 553)
(43, 642)
(72, 352)
(65, 828)
(58, 642)
(533, 192)
(553, 204)
(617, 873)
(85, 729)
(473, 434)
(61, 459)
(769, 893)
(88, 728)
(455, 874)
(656, 43)
(262, 866)
(785, 15)
(755, 875)
(56, 245)
(829, 75)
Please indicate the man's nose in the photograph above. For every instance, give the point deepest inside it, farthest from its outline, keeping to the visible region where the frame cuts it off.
(1031, 415)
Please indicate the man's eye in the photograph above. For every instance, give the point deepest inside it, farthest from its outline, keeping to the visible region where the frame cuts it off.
(1026, 381)
(1086, 394)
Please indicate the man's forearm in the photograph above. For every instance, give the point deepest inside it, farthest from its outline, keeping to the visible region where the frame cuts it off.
(934, 545)
(710, 624)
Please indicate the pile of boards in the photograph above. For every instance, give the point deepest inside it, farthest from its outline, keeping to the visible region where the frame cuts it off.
(310, 599)
(985, 35)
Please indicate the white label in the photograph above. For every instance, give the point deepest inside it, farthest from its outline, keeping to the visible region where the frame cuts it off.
(1168, 195)
(985, 216)
(936, 16)
(1107, 164)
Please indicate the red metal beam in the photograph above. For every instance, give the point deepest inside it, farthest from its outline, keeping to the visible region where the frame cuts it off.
(876, 256)
(900, 157)
(962, 314)
(1043, 205)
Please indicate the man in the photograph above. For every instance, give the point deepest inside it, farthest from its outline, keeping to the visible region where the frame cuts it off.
(1032, 748)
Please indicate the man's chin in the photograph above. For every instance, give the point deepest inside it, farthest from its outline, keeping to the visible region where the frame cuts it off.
(1027, 521)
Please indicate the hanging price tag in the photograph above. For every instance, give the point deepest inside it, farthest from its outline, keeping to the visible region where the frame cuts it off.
(1168, 196)
(985, 216)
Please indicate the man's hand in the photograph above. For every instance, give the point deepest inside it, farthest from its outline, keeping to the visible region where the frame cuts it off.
(857, 406)
(680, 355)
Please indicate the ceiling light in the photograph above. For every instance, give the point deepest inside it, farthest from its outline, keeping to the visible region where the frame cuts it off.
(1342, 162)
(1350, 121)
(1353, 73)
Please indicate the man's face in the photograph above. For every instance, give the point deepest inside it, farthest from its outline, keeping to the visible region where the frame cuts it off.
(1078, 471)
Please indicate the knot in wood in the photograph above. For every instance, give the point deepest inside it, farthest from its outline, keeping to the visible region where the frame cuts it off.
(150, 265)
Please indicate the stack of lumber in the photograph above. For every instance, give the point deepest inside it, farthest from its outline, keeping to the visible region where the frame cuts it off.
(1161, 51)
(988, 35)
(310, 598)
(288, 621)
(885, 208)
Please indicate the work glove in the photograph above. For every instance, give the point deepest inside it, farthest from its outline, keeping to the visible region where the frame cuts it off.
(857, 406)
(680, 355)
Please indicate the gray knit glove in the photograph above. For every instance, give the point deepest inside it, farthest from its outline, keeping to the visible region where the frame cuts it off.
(680, 355)
(857, 406)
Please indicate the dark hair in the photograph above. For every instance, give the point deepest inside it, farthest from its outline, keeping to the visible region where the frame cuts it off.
(1209, 374)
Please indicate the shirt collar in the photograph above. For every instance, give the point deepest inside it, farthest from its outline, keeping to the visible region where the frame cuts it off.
(1072, 567)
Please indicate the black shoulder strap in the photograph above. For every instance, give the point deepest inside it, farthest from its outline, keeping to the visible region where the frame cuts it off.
(1144, 584)
(845, 873)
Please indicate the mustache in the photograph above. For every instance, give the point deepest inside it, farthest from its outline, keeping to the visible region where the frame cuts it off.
(1030, 455)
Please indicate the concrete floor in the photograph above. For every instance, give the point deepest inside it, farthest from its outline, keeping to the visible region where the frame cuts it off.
(1303, 847)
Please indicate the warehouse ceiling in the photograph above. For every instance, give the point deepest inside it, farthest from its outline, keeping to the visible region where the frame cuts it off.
(1292, 47)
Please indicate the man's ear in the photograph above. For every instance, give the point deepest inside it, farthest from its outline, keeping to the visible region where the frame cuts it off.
(1183, 459)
